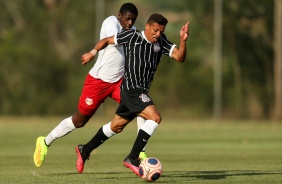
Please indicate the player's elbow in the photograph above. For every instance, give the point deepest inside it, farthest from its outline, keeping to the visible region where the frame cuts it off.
(181, 59)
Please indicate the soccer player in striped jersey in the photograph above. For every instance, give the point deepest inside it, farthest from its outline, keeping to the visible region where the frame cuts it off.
(103, 81)
(143, 51)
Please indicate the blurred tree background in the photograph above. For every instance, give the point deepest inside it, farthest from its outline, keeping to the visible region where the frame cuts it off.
(41, 43)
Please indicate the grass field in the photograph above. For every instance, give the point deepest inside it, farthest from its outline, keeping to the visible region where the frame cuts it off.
(190, 151)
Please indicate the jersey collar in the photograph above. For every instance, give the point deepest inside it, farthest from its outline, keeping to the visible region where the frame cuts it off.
(143, 34)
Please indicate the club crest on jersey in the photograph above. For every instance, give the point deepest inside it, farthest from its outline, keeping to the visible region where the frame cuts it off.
(89, 101)
(145, 98)
(157, 47)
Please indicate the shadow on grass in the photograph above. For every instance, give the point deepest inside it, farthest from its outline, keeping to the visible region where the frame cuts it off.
(101, 175)
(184, 175)
(216, 175)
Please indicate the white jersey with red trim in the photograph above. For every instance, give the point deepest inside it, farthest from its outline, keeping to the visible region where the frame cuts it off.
(109, 65)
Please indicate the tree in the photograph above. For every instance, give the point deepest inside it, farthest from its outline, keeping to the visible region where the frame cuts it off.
(277, 112)
(217, 57)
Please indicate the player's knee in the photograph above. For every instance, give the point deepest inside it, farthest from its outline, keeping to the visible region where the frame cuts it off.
(157, 118)
(80, 122)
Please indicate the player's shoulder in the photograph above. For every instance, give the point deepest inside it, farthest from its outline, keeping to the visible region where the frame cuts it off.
(130, 31)
(163, 36)
(111, 19)
(164, 39)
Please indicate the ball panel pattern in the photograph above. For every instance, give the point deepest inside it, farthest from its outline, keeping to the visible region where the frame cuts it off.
(150, 169)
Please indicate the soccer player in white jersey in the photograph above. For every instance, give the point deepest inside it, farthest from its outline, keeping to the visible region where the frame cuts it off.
(143, 51)
(103, 81)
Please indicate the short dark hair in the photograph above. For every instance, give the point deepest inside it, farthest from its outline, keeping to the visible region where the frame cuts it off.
(157, 18)
(128, 7)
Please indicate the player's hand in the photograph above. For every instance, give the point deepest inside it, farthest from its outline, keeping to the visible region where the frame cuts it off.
(86, 58)
(184, 32)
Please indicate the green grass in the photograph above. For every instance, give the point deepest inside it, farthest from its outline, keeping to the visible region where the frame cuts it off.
(190, 151)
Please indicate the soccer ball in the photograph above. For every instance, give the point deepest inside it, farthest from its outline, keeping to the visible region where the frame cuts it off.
(150, 169)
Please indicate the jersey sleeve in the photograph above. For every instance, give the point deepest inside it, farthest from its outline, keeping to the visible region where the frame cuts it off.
(168, 46)
(124, 37)
(111, 29)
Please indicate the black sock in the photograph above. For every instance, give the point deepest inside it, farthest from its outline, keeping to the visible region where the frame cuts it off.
(95, 142)
(45, 143)
(140, 142)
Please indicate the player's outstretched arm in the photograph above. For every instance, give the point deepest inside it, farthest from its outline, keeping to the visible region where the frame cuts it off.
(179, 54)
(87, 57)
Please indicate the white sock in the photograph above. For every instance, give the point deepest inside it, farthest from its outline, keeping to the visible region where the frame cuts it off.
(149, 126)
(108, 131)
(140, 123)
(66, 126)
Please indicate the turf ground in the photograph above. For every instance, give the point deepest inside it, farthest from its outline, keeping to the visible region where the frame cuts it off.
(190, 151)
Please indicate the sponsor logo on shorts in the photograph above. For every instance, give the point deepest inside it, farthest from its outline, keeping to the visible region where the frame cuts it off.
(88, 101)
(144, 98)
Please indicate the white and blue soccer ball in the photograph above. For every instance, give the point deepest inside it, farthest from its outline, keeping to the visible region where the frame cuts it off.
(150, 169)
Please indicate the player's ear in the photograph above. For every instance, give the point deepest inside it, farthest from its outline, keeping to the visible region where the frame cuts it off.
(147, 26)
(119, 15)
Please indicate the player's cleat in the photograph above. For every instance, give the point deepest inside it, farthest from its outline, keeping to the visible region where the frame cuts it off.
(80, 161)
(40, 151)
(128, 163)
(142, 156)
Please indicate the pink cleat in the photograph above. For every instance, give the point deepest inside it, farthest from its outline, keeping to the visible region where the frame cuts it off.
(135, 169)
(80, 162)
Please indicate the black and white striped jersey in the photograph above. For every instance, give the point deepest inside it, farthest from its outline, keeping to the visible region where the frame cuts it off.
(141, 58)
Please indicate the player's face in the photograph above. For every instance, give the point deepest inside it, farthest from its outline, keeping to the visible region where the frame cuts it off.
(154, 31)
(127, 20)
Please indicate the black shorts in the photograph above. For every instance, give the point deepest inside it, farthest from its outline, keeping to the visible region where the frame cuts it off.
(132, 103)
